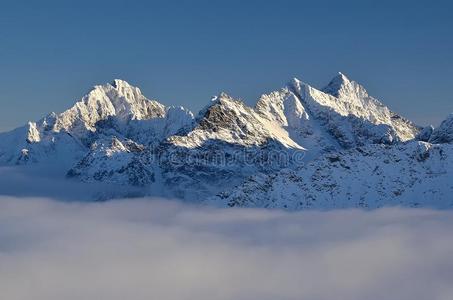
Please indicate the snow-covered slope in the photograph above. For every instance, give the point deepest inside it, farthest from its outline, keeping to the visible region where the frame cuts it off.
(285, 111)
(249, 156)
(444, 133)
(37, 142)
(114, 161)
(411, 174)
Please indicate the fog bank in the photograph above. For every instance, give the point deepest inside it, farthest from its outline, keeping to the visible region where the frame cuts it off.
(151, 249)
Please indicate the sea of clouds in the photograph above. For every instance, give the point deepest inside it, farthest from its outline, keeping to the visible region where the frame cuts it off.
(152, 249)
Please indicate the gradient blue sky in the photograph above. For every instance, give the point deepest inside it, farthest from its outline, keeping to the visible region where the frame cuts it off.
(182, 52)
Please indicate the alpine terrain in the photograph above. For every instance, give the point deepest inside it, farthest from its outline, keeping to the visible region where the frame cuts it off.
(299, 147)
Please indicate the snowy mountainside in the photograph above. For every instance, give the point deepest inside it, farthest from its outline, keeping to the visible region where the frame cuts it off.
(116, 109)
(247, 156)
(352, 116)
(411, 174)
(115, 161)
(230, 120)
(36, 142)
(284, 109)
(443, 133)
(229, 142)
(297, 118)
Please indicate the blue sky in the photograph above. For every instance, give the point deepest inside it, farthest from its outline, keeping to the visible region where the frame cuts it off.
(183, 52)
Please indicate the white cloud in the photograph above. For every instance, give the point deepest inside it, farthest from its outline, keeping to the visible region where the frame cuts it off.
(149, 249)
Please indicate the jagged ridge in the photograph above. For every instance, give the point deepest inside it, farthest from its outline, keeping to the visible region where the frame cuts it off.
(115, 134)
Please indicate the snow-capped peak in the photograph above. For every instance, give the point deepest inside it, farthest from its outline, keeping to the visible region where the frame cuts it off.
(120, 83)
(342, 87)
(230, 120)
(119, 100)
(336, 84)
(133, 96)
(135, 104)
(351, 115)
(222, 100)
(295, 83)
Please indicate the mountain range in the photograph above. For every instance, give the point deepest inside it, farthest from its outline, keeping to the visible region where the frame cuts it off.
(299, 147)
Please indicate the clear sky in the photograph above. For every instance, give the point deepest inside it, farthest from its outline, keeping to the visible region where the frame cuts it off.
(183, 52)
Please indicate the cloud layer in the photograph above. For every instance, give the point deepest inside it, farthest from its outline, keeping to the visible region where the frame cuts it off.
(150, 249)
